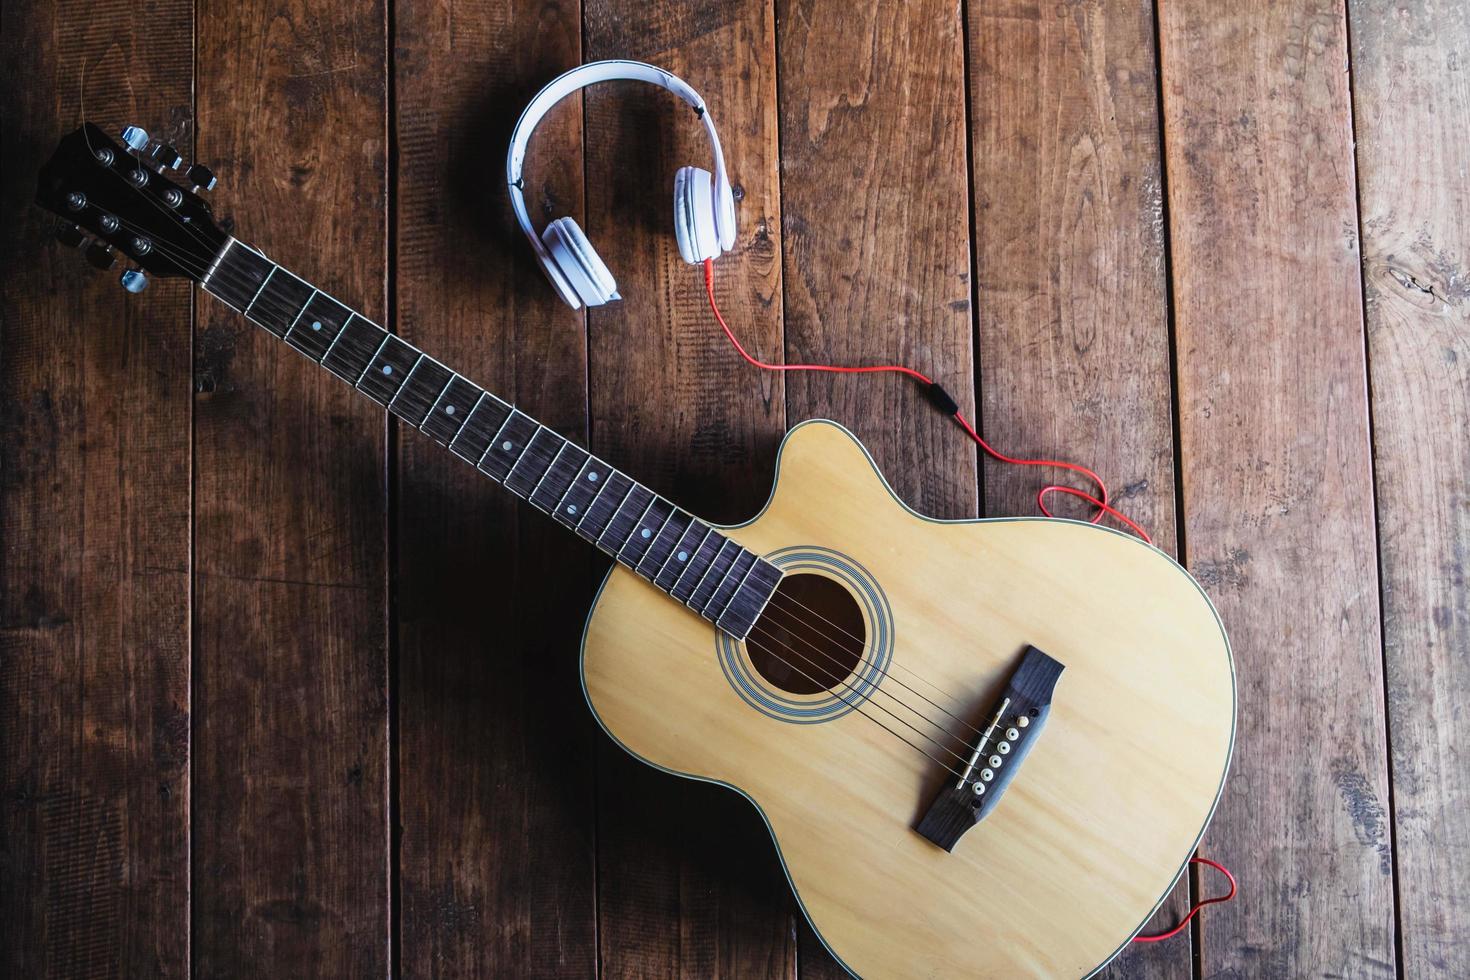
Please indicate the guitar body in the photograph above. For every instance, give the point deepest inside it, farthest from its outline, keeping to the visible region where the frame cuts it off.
(1094, 828)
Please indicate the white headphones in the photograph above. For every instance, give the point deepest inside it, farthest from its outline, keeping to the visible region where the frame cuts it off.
(704, 205)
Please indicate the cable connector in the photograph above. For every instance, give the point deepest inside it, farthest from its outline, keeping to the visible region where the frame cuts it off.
(941, 400)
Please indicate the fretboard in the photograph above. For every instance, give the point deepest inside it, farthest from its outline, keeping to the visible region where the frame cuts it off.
(675, 551)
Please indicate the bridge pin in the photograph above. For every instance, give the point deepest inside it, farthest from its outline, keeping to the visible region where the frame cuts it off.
(1003, 747)
(986, 775)
(995, 761)
(1012, 734)
(1023, 721)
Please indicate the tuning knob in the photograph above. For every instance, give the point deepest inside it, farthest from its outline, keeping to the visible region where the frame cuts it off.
(70, 235)
(134, 281)
(135, 137)
(100, 255)
(166, 156)
(202, 176)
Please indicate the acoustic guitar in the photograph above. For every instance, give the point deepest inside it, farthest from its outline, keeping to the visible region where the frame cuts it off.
(982, 748)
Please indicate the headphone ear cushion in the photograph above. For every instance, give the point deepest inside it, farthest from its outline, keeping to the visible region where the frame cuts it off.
(579, 262)
(694, 215)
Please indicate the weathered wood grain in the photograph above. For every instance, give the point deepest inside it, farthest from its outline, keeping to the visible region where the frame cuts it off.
(1070, 276)
(495, 745)
(876, 229)
(94, 528)
(1412, 111)
(688, 881)
(876, 217)
(1277, 492)
(291, 846)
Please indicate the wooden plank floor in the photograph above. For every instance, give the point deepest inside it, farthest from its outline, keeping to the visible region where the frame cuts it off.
(282, 697)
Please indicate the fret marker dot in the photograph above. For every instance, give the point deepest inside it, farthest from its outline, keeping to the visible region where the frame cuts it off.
(387, 369)
(448, 409)
(592, 477)
(683, 556)
(571, 508)
(506, 445)
(647, 533)
(316, 324)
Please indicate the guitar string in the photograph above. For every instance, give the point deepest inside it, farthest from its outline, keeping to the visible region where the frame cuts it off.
(857, 707)
(851, 682)
(937, 726)
(262, 294)
(785, 598)
(863, 661)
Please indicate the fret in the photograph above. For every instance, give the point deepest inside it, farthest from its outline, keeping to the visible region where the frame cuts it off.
(662, 547)
(387, 370)
(317, 326)
(714, 576)
(280, 299)
(238, 274)
(508, 444)
(625, 519)
(615, 487)
(650, 524)
(263, 284)
(485, 419)
(350, 353)
(534, 461)
(694, 536)
(750, 599)
(451, 409)
(587, 484)
(557, 481)
(725, 591)
(697, 565)
(420, 391)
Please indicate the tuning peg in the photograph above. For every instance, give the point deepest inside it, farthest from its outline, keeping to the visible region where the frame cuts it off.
(134, 281)
(201, 176)
(135, 137)
(166, 156)
(100, 255)
(70, 235)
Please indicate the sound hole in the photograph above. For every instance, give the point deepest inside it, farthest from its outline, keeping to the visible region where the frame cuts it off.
(810, 637)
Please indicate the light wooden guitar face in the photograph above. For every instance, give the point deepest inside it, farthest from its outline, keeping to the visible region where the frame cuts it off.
(1097, 823)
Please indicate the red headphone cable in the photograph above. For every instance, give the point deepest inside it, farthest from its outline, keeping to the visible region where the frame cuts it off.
(942, 400)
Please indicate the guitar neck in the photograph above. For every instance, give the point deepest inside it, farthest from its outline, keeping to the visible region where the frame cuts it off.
(680, 554)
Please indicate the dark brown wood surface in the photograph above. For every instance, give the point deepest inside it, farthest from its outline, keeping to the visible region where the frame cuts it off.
(290, 846)
(1276, 472)
(287, 691)
(1412, 109)
(94, 535)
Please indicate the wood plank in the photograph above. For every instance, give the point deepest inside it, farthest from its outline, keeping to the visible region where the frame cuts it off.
(876, 261)
(291, 870)
(688, 881)
(94, 516)
(877, 264)
(1276, 475)
(497, 852)
(1412, 110)
(1070, 275)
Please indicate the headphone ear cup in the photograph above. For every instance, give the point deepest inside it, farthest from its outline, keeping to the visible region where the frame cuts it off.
(694, 215)
(579, 263)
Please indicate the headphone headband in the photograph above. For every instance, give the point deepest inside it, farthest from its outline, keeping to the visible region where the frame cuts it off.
(610, 71)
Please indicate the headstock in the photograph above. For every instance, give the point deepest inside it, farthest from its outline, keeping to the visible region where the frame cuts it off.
(116, 201)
